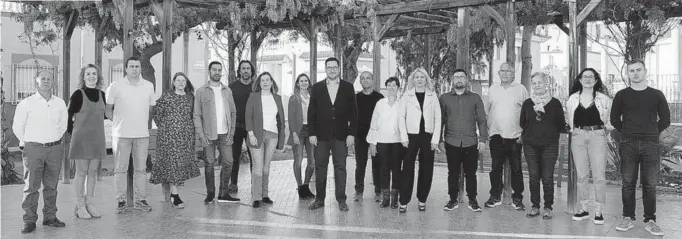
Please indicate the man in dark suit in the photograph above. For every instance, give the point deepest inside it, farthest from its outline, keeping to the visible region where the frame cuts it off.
(332, 125)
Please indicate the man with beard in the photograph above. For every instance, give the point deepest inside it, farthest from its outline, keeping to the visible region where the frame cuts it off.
(214, 122)
(241, 90)
(462, 110)
(367, 100)
(332, 122)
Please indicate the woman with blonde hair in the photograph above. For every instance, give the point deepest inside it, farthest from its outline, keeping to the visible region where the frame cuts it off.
(298, 138)
(419, 119)
(88, 143)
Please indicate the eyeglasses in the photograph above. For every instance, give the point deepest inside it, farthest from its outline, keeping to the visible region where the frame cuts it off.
(588, 77)
(332, 68)
(459, 77)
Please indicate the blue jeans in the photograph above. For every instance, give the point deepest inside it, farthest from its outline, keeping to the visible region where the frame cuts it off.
(643, 156)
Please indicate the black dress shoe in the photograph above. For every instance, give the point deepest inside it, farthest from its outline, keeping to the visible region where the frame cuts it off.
(256, 204)
(55, 222)
(267, 200)
(28, 228)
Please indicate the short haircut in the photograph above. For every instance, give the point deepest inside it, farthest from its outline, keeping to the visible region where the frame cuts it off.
(213, 63)
(370, 73)
(392, 79)
(132, 58)
(635, 61)
(330, 59)
(542, 75)
(460, 70)
(256, 85)
(253, 69)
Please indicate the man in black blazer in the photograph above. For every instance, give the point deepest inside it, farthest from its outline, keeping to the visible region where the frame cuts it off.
(332, 125)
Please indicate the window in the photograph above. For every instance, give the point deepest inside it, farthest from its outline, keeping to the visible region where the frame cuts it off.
(23, 83)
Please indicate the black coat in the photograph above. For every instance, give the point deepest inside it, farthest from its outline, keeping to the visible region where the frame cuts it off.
(334, 121)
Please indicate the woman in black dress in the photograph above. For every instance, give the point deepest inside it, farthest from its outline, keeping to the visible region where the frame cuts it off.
(175, 141)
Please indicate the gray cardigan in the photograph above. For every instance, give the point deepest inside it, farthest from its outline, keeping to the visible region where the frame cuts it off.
(254, 119)
(295, 118)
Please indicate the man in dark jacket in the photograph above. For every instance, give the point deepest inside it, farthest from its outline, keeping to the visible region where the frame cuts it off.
(332, 121)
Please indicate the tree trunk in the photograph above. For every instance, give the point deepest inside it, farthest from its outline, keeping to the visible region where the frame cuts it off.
(490, 68)
(636, 40)
(145, 60)
(526, 57)
(350, 59)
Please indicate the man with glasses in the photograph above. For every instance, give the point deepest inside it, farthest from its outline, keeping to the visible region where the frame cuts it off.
(39, 124)
(504, 112)
(462, 111)
(332, 122)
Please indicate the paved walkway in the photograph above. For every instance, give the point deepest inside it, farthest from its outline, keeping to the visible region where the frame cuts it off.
(290, 218)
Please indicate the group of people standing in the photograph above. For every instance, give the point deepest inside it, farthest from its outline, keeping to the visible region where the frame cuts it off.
(328, 118)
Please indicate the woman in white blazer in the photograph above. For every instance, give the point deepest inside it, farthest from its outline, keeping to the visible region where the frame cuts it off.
(588, 109)
(420, 127)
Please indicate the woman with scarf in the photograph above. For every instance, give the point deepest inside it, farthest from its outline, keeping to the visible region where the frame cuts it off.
(542, 121)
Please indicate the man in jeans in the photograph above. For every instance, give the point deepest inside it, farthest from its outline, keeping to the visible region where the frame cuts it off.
(633, 114)
(131, 100)
(462, 110)
(241, 89)
(504, 113)
(39, 124)
(214, 122)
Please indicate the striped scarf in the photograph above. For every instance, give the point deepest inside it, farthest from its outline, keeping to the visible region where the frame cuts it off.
(540, 101)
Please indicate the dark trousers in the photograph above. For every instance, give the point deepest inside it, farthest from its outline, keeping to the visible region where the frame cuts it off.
(240, 135)
(458, 158)
(361, 152)
(339, 151)
(541, 161)
(41, 166)
(389, 161)
(502, 150)
(421, 144)
(643, 156)
(226, 162)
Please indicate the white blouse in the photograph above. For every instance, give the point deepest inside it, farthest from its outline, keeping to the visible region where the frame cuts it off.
(269, 113)
(384, 127)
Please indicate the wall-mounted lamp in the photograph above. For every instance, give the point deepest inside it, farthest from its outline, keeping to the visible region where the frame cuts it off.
(130, 32)
(199, 36)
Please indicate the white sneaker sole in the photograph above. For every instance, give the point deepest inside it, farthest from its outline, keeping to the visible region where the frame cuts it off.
(450, 209)
(494, 205)
(625, 229)
(596, 222)
(654, 233)
(577, 219)
(225, 201)
(475, 210)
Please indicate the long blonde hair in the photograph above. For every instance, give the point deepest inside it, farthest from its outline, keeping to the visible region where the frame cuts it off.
(410, 79)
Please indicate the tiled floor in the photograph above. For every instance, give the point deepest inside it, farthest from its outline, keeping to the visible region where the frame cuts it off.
(290, 218)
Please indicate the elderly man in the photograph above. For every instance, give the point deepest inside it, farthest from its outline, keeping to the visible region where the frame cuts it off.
(39, 124)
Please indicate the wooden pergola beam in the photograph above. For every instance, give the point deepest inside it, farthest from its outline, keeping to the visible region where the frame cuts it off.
(435, 17)
(430, 5)
(587, 10)
(494, 14)
(421, 20)
(398, 32)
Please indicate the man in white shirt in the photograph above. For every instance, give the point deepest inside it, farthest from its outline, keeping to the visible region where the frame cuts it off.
(39, 124)
(504, 112)
(130, 99)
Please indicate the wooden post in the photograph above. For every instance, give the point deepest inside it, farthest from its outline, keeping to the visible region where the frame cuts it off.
(254, 49)
(230, 56)
(99, 46)
(376, 55)
(313, 50)
(429, 54)
(582, 47)
(462, 63)
(167, 42)
(511, 59)
(573, 59)
(128, 12)
(185, 52)
(338, 48)
(69, 26)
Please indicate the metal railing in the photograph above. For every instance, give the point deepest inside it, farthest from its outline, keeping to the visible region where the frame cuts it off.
(115, 73)
(23, 83)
